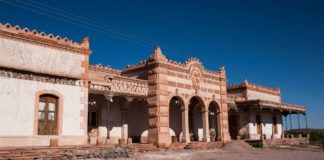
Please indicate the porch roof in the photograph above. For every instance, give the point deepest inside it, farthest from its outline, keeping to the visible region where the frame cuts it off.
(270, 105)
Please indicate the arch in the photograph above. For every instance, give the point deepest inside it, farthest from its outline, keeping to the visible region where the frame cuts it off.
(60, 98)
(199, 97)
(216, 102)
(214, 114)
(180, 96)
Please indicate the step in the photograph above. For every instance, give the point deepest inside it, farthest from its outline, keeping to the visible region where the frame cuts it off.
(203, 145)
(177, 146)
(143, 147)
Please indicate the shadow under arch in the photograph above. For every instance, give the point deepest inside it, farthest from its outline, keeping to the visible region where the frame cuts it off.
(196, 109)
(176, 106)
(214, 115)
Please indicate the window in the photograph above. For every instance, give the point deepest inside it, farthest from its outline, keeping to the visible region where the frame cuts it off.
(47, 115)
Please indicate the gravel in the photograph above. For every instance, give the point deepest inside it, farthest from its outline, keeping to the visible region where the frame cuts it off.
(238, 146)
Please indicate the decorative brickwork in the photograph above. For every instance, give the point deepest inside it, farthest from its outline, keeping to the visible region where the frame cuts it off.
(109, 80)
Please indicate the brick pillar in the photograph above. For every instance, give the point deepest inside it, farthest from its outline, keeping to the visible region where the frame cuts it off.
(185, 126)
(158, 132)
(224, 110)
(206, 137)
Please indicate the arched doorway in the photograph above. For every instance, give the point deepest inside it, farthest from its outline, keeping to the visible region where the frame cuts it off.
(175, 118)
(196, 107)
(214, 121)
(233, 123)
(48, 115)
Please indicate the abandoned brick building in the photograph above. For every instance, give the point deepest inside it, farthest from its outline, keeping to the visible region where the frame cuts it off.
(49, 91)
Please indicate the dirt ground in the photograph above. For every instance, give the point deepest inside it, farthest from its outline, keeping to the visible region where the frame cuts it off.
(278, 153)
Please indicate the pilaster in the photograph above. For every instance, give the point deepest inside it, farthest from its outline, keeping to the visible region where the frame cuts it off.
(158, 132)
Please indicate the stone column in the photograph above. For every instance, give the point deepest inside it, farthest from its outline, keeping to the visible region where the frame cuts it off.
(185, 126)
(274, 127)
(206, 137)
(218, 126)
(109, 99)
(124, 116)
(261, 119)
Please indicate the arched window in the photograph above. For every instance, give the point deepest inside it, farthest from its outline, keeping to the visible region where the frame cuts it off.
(47, 115)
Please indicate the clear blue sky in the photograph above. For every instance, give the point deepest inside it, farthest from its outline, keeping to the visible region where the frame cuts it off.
(273, 43)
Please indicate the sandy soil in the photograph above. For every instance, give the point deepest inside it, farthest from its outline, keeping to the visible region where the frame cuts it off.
(278, 153)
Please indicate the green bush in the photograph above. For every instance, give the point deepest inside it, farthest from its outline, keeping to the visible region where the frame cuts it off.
(316, 137)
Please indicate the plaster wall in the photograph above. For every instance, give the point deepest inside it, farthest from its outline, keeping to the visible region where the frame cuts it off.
(266, 123)
(252, 95)
(39, 58)
(243, 123)
(18, 105)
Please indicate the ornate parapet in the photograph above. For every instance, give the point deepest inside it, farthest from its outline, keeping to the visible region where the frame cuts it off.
(34, 36)
(105, 69)
(121, 86)
(158, 57)
(250, 86)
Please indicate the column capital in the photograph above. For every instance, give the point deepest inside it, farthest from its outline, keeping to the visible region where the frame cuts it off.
(109, 97)
(185, 109)
(204, 111)
(129, 99)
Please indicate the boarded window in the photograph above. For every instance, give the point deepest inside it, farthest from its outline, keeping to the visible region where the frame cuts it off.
(47, 115)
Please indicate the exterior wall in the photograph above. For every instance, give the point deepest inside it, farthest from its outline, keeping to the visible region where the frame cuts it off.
(19, 113)
(253, 95)
(266, 124)
(39, 58)
(243, 123)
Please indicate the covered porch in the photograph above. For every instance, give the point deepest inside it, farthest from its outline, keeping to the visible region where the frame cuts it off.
(261, 119)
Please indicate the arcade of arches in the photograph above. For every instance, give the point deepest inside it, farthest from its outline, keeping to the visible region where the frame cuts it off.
(127, 117)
